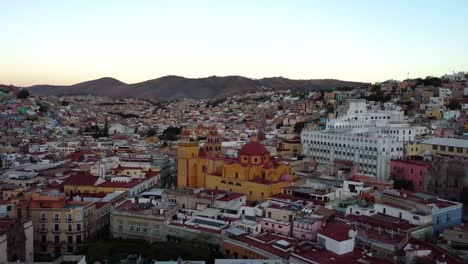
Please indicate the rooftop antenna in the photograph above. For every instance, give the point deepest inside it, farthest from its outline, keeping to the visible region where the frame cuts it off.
(407, 75)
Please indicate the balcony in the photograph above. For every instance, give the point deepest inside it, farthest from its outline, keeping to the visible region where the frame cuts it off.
(43, 219)
(43, 230)
(56, 220)
(56, 231)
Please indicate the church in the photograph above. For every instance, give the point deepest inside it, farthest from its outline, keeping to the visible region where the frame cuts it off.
(253, 173)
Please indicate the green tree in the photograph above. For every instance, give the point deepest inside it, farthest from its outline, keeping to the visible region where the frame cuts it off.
(433, 81)
(23, 94)
(105, 131)
(151, 132)
(298, 127)
(170, 133)
(454, 105)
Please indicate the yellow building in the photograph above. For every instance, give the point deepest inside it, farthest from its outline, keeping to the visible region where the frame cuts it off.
(290, 147)
(413, 149)
(254, 173)
(445, 146)
(437, 113)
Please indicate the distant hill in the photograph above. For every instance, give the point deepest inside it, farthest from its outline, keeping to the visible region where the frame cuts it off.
(103, 86)
(175, 87)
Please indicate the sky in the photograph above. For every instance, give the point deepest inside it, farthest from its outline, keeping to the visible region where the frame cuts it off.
(66, 42)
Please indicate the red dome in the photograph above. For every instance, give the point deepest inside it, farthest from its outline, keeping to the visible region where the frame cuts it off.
(253, 148)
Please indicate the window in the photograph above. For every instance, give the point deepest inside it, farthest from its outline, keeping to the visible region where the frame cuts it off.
(43, 216)
(69, 217)
(237, 175)
(70, 239)
(384, 210)
(57, 239)
(138, 228)
(434, 147)
(120, 227)
(69, 227)
(78, 239)
(442, 148)
(43, 238)
(56, 227)
(56, 217)
(450, 149)
(78, 227)
(459, 150)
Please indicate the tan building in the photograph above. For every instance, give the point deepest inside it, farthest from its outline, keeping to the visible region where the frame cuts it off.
(445, 146)
(61, 226)
(141, 218)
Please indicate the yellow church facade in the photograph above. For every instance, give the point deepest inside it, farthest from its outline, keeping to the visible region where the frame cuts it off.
(254, 173)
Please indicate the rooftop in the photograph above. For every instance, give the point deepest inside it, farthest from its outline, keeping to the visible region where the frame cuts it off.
(336, 230)
(451, 142)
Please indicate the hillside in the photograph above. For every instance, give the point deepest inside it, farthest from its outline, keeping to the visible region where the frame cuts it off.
(103, 86)
(176, 87)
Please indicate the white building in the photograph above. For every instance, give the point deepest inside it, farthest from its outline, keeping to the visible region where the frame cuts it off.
(371, 151)
(369, 138)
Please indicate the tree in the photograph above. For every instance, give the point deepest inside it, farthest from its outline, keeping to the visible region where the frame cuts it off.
(454, 105)
(151, 132)
(432, 81)
(170, 133)
(402, 183)
(105, 131)
(298, 127)
(23, 94)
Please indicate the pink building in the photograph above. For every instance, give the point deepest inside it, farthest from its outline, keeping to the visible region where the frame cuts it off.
(275, 226)
(306, 228)
(412, 170)
(445, 132)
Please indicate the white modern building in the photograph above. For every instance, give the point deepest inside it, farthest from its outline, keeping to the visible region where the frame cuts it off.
(371, 151)
(369, 138)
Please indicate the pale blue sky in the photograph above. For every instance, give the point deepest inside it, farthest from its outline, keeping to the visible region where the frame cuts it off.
(64, 42)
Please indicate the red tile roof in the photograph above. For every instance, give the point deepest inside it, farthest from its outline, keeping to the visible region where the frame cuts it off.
(129, 184)
(310, 254)
(338, 231)
(84, 180)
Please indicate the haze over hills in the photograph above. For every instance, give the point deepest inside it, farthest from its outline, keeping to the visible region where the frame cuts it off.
(176, 87)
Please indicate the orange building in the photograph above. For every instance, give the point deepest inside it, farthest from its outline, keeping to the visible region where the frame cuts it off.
(60, 226)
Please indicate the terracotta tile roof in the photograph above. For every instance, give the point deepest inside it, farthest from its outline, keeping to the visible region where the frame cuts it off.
(84, 180)
(338, 231)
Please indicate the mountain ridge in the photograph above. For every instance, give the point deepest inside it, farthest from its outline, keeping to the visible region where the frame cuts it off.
(173, 87)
